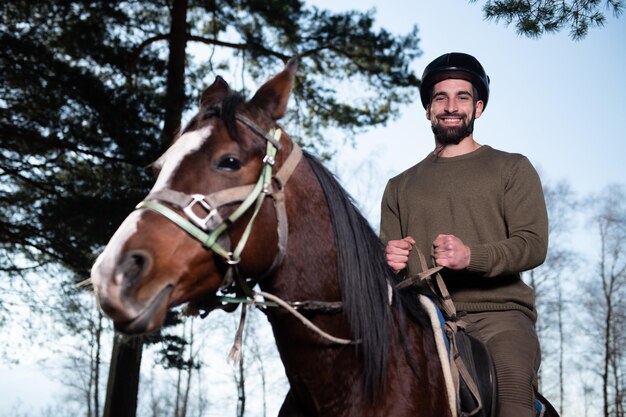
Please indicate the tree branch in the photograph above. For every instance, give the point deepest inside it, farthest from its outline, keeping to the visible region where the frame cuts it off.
(238, 46)
(143, 45)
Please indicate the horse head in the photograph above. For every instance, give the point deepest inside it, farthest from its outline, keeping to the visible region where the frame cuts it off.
(207, 210)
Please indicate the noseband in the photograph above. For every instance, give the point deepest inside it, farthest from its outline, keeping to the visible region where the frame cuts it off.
(209, 228)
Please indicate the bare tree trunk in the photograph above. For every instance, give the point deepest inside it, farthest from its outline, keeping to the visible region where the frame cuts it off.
(616, 371)
(607, 323)
(532, 282)
(154, 397)
(587, 393)
(611, 222)
(183, 412)
(264, 385)
(202, 404)
(179, 371)
(561, 350)
(190, 367)
(123, 385)
(257, 357)
(175, 89)
(90, 380)
(98, 364)
(605, 363)
(93, 383)
(241, 388)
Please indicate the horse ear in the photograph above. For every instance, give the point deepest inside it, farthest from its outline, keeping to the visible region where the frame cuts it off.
(273, 96)
(215, 92)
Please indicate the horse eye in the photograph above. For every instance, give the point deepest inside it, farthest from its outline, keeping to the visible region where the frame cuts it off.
(229, 163)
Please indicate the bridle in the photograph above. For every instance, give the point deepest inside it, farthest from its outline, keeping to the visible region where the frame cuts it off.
(209, 228)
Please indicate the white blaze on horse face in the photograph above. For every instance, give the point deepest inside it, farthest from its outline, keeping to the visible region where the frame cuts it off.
(106, 262)
(168, 163)
(173, 157)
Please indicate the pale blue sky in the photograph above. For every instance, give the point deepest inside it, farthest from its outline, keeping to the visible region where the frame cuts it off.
(559, 102)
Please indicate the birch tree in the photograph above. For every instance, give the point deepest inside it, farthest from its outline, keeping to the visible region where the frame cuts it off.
(607, 296)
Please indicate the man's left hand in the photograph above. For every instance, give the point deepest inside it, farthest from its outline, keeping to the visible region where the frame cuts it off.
(451, 252)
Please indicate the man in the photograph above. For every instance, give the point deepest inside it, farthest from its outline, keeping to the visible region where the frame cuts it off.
(480, 213)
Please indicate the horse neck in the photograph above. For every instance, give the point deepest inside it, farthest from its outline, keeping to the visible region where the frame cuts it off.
(309, 273)
(308, 270)
(317, 369)
(322, 376)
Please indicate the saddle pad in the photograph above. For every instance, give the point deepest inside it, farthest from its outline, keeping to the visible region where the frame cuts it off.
(540, 409)
(443, 347)
(443, 351)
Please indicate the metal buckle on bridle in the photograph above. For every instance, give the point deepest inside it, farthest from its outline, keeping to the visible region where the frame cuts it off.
(201, 222)
(269, 160)
(232, 261)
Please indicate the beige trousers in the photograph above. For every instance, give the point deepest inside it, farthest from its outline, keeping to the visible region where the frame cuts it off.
(511, 339)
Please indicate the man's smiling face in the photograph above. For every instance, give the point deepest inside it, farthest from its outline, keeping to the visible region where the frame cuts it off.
(452, 110)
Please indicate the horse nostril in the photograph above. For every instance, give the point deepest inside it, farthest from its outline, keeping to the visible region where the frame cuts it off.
(133, 267)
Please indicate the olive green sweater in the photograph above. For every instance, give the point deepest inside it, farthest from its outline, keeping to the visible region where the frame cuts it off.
(493, 202)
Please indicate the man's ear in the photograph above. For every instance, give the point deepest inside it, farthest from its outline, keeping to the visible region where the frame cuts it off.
(428, 112)
(480, 105)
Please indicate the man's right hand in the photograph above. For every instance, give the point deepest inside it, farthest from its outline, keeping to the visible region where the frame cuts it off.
(397, 253)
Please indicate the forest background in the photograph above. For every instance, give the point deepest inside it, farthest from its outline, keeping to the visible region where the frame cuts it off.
(89, 97)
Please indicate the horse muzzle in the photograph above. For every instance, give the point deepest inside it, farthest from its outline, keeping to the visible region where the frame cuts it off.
(121, 296)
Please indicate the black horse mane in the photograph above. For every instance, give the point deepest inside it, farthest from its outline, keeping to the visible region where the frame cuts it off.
(364, 276)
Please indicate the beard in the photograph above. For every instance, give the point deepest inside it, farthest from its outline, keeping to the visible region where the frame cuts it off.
(455, 134)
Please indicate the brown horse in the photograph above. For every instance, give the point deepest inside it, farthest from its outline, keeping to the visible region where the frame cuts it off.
(204, 226)
(233, 206)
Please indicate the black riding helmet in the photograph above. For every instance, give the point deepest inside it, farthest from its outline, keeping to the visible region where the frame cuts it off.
(455, 65)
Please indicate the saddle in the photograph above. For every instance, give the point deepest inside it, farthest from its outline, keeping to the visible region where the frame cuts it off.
(467, 365)
(479, 371)
(470, 370)
(476, 359)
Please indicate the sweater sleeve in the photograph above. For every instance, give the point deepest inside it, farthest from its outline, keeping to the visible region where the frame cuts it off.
(390, 228)
(527, 227)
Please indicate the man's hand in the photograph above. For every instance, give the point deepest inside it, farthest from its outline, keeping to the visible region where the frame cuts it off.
(397, 252)
(451, 252)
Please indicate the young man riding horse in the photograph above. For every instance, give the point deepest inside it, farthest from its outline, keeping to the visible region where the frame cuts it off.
(481, 214)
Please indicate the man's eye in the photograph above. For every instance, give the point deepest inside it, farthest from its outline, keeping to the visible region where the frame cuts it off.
(229, 163)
